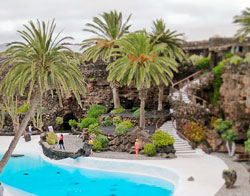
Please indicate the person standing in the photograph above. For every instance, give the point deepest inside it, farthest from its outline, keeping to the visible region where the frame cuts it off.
(137, 147)
(61, 144)
(30, 129)
(1, 189)
(171, 110)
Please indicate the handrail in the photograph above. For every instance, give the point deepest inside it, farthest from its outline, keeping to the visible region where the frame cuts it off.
(190, 76)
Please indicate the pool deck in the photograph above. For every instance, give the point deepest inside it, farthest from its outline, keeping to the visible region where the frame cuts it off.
(205, 169)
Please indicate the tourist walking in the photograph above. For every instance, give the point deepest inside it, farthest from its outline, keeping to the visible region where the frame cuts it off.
(137, 147)
(171, 110)
(1, 189)
(61, 144)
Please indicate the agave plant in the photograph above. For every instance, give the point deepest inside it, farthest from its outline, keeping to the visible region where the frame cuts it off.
(140, 61)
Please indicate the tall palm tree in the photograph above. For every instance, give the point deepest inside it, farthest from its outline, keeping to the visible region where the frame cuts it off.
(141, 62)
(173, 48)
(244, 21)
(108, 30)
(39, 63)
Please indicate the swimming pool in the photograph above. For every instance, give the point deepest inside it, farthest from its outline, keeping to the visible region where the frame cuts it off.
(34, 175)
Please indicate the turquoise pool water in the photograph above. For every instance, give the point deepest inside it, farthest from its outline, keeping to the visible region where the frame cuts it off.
(34, 175)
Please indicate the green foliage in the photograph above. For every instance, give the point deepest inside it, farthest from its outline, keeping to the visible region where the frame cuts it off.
(24, 108)
(118, 110)
(96, 110)
(51, 138)
(203, 63)
(94, 129)
(107, 121)
(247, 59)
(247, 146)
(248, 134)
(117, 120)
(228, 55)
(150, 149)
(194, 58)
(135, 108)
(97, 145)
(136, 114)
(222, 125)
(72, 123)
(59, 120)
(121, 129)
(104, 140)
(88, 121)
(230, 135)
(194, 132)
(127, 123)
(235, 60)
(161, 138)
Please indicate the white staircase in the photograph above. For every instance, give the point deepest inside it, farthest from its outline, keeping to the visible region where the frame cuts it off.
(181, 146)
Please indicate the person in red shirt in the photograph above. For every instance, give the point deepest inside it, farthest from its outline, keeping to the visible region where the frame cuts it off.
(137, 147)
(61, 142)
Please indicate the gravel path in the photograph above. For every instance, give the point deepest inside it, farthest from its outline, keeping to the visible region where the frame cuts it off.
(241, 186)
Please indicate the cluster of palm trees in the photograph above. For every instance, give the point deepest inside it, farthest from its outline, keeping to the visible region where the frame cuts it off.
(41, 64)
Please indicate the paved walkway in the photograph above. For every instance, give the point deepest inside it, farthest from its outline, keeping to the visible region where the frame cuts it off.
(242, 186)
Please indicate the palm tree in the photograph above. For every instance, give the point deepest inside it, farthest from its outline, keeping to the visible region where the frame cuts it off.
(140, 61)
(244, 21)
(38, 64)
(173, 48)
(108, 30)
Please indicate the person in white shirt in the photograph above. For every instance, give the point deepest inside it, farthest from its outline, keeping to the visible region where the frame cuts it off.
(1, 189)
(171, 110)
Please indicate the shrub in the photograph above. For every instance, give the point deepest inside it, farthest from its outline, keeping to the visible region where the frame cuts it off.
(117, 120)
(203, 63)
(104, 140)
(72, 123)
(127, 123)
(248, 134)
(150, 149)
(247, 146)
(235, 60)
(213, 122)
(88, 121)
(161, 138)
(107, 121)
(228, 55)
(230, 135)
(97, 145)
(121, 129)
(118, 110)
(194, 132)
(222, 125)
(247, 59)
(136, 114)
(59, 120)
(194, 58)
(94, 129)
(135, 108)
(96, 110)
(24, 108)
(51, 138)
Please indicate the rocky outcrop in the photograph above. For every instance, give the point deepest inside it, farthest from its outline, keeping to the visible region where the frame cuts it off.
(230, 177)
(235, 97)
(213, 139)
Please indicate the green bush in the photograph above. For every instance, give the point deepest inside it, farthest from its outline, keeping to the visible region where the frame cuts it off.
(150, 149)
(104, 140)
(72, 123)
(194, 58)
(59, 120)
(248, 134)
(118, 110)
(194, 132)
(161, 138)
(117, 120)
(247, 146)
(135, 108)
(96, 110)
(136, 114)
(94, 129)
(247, 59)
(51, 138)
(88, 121)
(121, 129)
(97, 145)
(235, 60)
(107, 121)
(203, 63)
(230, 135)
(228, 55)
(127, 123)
(222, 125)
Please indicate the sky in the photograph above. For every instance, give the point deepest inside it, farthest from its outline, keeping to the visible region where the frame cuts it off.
(197, 19)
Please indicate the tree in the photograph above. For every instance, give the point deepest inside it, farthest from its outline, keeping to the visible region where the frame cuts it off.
(247, 143)
(38, 64)
(173, 48)
(108, 30)
(244, 21)
(140, 61)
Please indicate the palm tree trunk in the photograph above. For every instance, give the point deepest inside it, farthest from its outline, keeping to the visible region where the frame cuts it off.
(142, 97)
(160, 97)
(116, 97)
(21, 130)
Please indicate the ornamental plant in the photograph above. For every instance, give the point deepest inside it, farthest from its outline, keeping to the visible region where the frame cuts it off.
(150, 149)
(161, 138)
(222, 125)
(203, 63)
(97, 145)
(72, 123)
(194, 132)
(247, 143)
(94, 129)
(117, 120)
(51, 139)
(96, 110)
(127, 123)
(107, 122)
(59, 120)
(86, 122)
(121, 129)
(118, 110)
(104, 140)
(136, 114)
